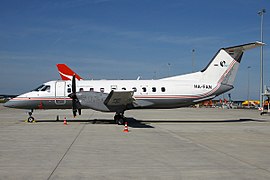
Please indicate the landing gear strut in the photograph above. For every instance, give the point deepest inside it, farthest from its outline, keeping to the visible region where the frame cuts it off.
(120, 118)
(30, 118)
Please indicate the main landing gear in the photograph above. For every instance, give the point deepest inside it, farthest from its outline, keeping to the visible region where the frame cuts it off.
(30, 119)
(119, 118)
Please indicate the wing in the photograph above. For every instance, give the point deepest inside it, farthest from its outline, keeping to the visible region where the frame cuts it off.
(115, 101)
(119, 98)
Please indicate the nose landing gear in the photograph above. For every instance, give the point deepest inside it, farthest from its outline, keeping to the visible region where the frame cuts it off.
(30, 119)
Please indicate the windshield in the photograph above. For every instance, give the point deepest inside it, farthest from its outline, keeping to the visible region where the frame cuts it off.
(39, 88)
(42, 88)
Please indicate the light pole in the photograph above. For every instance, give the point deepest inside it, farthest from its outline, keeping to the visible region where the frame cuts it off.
(193, 59)
(261, 13)
(248, 86)
(169, 68)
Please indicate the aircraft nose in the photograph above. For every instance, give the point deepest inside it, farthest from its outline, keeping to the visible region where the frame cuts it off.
(9, 104)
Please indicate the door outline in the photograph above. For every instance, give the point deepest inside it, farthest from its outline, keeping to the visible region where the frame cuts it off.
(60, 95)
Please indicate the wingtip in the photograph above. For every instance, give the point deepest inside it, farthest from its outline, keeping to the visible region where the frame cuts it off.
(260, 43)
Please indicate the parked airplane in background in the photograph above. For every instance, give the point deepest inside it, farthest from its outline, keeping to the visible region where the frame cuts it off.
(7, 96)
(121, 95)
(66, 73)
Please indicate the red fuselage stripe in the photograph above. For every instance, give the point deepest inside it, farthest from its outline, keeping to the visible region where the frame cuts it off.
(39, 99)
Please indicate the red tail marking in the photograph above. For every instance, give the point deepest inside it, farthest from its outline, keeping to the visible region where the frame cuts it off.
(63, 69)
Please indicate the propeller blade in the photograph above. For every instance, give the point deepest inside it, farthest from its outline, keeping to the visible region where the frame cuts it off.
(74, 84)
(73, 96)
(74, 112)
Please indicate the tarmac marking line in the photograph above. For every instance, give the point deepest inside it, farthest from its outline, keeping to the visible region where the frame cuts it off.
(66, 152)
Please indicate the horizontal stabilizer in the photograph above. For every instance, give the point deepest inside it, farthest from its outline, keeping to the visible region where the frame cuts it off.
(245, 47)
(237, 51)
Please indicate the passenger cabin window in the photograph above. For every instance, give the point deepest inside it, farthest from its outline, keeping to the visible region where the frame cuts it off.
(113, 87)
(91, 89)
(134, 89)
(163, 89)
(81, 89)
(154, 89)
(144, 89)
(69, 90)
(102, 90)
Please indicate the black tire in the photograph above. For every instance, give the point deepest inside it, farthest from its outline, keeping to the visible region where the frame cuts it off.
(120, 121)
(31, 119)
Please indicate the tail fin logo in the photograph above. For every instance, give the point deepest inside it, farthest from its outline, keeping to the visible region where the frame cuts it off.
(66, 73)
(223, 63)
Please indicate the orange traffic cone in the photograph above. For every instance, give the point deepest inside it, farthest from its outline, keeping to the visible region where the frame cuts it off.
(65, 121)
(126, 127)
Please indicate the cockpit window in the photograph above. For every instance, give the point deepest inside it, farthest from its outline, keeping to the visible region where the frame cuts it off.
(39, 88)
(46, 88)
(43, 88)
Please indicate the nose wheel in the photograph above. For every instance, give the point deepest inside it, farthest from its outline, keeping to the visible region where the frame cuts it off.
(119, 118)
(30, 119)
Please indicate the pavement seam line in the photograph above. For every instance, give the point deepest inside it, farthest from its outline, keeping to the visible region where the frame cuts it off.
(66, 152)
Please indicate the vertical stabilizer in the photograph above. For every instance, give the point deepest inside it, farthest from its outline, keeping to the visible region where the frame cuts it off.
(224, 66)
(66, 73)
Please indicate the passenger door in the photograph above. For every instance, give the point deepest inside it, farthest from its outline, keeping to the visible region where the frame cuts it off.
(60, 92)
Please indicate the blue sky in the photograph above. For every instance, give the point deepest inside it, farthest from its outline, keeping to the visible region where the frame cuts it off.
(123, 39)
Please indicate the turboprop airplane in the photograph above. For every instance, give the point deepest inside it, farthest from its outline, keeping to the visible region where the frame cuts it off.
(121, 95)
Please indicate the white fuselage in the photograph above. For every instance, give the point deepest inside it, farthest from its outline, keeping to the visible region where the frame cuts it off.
(163, 93)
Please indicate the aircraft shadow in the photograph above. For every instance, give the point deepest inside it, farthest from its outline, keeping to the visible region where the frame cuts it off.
(135, 123)
(131, 122)
(202, 121)
(91, 121)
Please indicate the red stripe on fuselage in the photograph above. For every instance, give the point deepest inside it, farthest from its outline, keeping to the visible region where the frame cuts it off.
(39, 99)
(166, 97)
